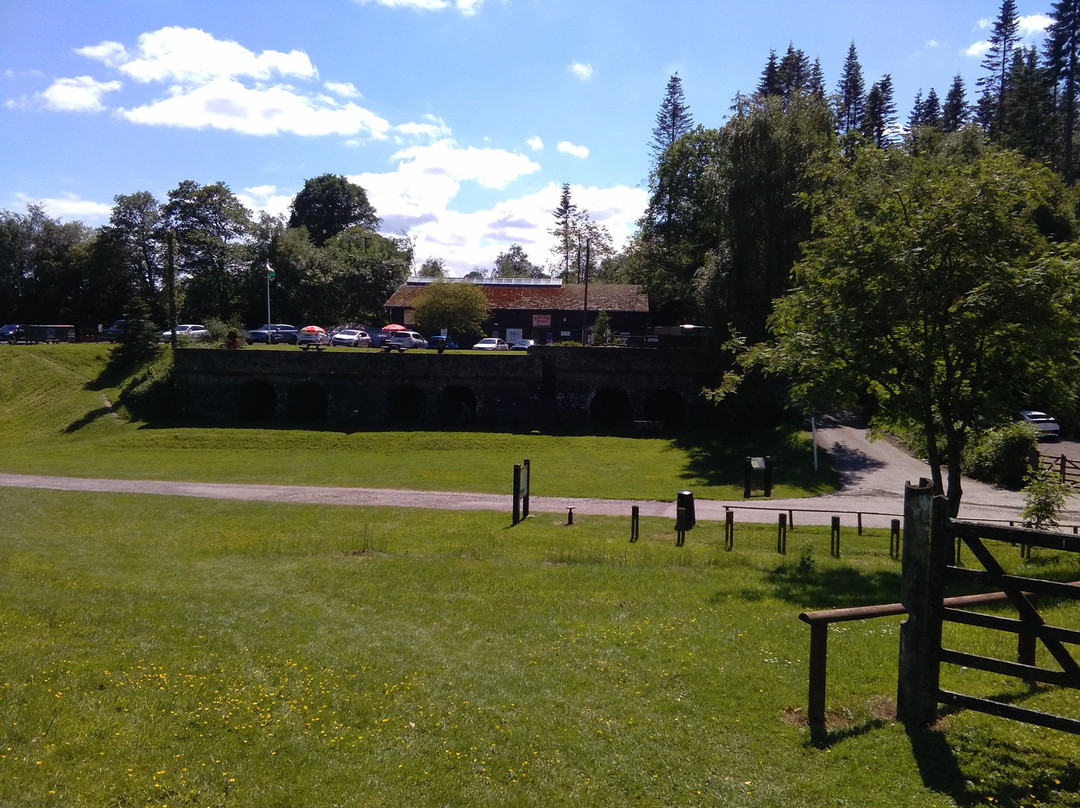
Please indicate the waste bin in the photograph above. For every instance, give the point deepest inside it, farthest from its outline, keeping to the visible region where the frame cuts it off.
(684, 505)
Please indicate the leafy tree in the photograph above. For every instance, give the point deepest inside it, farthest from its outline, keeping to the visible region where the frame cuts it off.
(1062, 55)
(212, 234)
(934, 292)
(996, 63)
(459, 307)
(753, 196)
(850, 98)
(361, 269)
(135, 236)
(329, 204)
(433, 268)
(514, 263)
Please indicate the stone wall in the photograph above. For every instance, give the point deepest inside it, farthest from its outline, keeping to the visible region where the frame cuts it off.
(548, 388)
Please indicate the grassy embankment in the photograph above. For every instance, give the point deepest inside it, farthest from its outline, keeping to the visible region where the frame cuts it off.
(160, 651)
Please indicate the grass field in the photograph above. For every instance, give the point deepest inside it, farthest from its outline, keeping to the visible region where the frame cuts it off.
(159, 651)
(55, 418)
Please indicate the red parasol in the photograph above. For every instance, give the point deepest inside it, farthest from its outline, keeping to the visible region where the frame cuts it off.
(394, 327)
(313, 329)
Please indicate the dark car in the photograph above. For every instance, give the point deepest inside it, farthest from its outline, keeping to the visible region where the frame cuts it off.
(272, 333)
(115, 332)
(10, 332)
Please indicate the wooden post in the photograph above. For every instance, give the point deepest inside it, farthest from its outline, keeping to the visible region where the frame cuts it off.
(635, 516)
(517, 493)
(729, 529)
(781, 534)
(526, 471)
(819, 638)
(921, 590)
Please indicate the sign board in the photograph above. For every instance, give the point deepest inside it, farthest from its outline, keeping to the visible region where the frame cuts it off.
(541, 321)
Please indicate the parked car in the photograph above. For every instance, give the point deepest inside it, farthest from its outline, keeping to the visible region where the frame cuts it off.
(1048, 427)
(193, 332)
(272, 333)
(491, 344)
(523, 345)
(440, 343)
(312, 336)
(351, 338)
(10, 332)
(115, 332)
(401, 341)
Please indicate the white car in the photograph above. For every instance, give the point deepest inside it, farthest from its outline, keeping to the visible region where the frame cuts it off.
(401, 341)
(193, 332)
(491, 344)
(352, 338)
(1047, 426)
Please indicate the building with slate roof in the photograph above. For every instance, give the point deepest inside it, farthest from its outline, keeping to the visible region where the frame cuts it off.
(545, 309)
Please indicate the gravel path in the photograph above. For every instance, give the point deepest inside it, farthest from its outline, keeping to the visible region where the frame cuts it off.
(873, 476)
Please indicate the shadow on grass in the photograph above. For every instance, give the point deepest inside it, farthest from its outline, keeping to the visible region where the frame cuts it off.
(811, 589)
(719, 457)
(89, 418)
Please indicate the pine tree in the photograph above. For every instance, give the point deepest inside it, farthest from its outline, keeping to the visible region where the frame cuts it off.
(931, 111)
(997, 62)
(673, 119)
(954, 112)
(770, 82)
(1062, 58)
(1026, 115)
(793, 73)
(564, 230)
(850, 98)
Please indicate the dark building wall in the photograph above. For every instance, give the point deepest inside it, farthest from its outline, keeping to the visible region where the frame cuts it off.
(593, 389)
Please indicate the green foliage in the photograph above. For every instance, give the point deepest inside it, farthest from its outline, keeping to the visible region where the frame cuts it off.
(1003, 455)
(459, 307)
(934, 290)
(1045, 495)
(148, 393)
(601, 331)
(330, 204)
(139, 343)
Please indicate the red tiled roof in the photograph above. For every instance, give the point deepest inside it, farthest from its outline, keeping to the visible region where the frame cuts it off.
(608, 297)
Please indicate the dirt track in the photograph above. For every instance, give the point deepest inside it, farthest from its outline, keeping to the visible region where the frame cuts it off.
(873, 476)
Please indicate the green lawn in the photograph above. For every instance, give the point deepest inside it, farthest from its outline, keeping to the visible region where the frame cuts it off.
(55, 419)
(159, 651)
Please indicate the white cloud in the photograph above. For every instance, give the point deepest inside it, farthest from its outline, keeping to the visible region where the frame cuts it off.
(582, 71)
(229, 105)
(535, 143)
(566, 147)
(80, 94)
(466, 7)
(267, 199)
(1034, 24)
(977, 49)
(190, 56)
(72, 208)
(342, 88)
(432, 127)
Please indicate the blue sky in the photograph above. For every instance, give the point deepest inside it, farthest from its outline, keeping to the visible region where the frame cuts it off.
(461, 118)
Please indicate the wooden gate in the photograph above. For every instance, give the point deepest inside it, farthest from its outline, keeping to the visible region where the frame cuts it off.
(1068, 470)
(931, 540)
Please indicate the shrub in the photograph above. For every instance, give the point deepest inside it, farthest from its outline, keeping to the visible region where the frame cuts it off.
(1004, 455)
(1045, 494)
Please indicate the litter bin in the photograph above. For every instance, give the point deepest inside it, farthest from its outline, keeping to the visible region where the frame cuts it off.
(684, 504)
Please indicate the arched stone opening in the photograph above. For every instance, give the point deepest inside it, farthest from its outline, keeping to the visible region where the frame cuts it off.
(308, 401)
(257, 401)
(405, 405)
(457, 407)
(667, 407)
(611, 409)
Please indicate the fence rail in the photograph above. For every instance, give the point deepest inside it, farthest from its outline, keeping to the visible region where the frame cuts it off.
(1068, 470)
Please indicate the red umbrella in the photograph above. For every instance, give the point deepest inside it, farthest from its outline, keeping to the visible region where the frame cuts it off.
(314, 329)
(394, 327)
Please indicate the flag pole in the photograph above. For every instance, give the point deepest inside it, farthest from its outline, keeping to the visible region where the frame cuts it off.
(269, 274)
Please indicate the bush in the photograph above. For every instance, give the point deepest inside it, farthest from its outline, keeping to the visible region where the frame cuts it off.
(1045, 494)
(147, 394)
(1004, 455)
